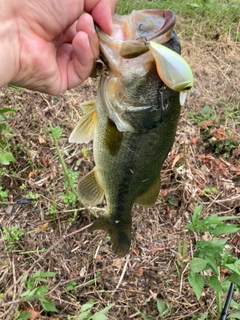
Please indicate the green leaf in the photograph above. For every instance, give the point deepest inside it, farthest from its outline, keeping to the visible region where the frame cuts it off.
(28, 294)
(226, 284)
(41, 290)
(215, 283)
(4, 110)
(162, 307)
(225, 229)
(234, 305)
(99, 316)
(212, 247)
(24, 278)
(86, 306)
(106, 309)
(85, 315)
(211, 261)
(48, 305)
(193, 226)
(24, 315)
(198, 264)
(143, 315)
(41, 274)
(15, 87)
(234, 267)
(56, 132)
(6, 158)
(235, 279)
(172, 200)
(197, 283)
(234, 315)
(71, 286)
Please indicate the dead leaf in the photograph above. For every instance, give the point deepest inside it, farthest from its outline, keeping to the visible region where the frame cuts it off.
(117, 263)
(219, 134)
(155, 250)
(43, 227)
(176, 159)
(135, 251)
(141, 271)
(46, 161)
(41, 140)
(205, 124)
(33, 314)
(164, 192)
(34, 173)
(194, 140)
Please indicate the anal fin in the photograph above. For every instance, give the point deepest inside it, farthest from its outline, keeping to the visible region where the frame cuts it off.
(149, 197)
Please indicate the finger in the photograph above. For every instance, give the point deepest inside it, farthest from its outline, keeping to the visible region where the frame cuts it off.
(101, 12)
(74, 71)
(85, 24)
(67, 36)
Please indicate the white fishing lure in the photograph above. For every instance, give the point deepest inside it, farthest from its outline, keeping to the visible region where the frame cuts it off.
(174, 71)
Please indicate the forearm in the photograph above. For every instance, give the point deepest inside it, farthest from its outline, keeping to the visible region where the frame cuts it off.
(9, 46)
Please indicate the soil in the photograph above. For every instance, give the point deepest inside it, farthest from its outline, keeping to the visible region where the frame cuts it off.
(156, 267)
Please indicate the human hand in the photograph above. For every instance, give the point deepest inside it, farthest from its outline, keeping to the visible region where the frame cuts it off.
(49, 45)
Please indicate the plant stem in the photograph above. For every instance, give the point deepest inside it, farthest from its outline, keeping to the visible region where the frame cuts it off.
(218, 295)
(65, 173)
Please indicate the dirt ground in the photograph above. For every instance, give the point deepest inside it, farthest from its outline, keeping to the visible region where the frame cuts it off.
(59, 243)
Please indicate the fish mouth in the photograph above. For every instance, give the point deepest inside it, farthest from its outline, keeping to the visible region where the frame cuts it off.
(132, 33)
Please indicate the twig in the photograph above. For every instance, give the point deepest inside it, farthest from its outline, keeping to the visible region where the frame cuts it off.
(8, 315)
(123, 272)
(39, 259)
(181, 282)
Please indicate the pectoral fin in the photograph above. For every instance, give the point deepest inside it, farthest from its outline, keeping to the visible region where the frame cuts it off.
(89, 188)
(85, 129)
(149, 197)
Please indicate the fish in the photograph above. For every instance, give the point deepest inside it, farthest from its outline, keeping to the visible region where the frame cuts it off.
(133, 120)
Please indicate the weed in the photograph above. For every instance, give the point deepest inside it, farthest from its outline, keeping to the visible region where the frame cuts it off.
(6, 156)
(212, 255)
(3, 194)
(70, 197)
(31, 195)
(71, 286)
(208, 191)
(86, 314)
(163, 310)
(224, 147)
(35, 291)
(208, 113)
(12, 234)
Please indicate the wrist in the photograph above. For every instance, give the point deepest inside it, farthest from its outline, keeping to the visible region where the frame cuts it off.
(9, 44)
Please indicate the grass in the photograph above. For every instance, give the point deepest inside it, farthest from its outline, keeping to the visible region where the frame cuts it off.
(204, 19)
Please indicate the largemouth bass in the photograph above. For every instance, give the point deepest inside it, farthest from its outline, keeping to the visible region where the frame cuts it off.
(132, 122)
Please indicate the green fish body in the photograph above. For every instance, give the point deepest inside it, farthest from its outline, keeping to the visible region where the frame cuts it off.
(132, 123)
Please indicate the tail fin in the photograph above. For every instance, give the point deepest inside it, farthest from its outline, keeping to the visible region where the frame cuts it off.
(120, 233)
